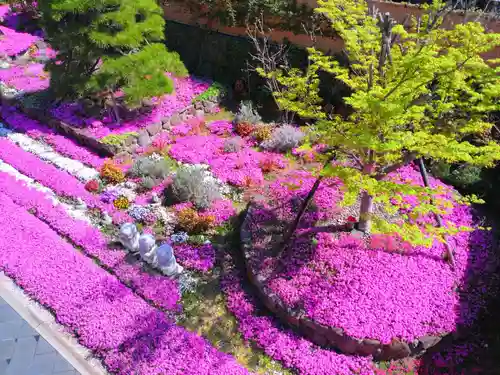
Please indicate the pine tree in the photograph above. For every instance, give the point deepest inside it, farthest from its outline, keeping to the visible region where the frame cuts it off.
(106, 45)
(418, 90)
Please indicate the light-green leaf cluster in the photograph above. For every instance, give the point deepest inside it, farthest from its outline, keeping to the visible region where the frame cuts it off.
(417, 90)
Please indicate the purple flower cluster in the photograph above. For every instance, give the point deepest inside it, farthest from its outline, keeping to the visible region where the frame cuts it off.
(160, 290)
(13, 42)
(59, 143)
(130, 335)
(221, 209)
(373, 293)
(200, 258)
(282, 344)
(240, 168)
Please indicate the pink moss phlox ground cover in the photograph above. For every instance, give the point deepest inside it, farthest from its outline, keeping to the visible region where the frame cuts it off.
(200, 258)
(221, 127)
(130, 335)
(4, 11)
(13, 42)
(282, 344)
(30, 78)
(60, 181)
(221, 210)
(237, 168)
(185, 90)
(375, 292)
(59, 143)
(162, 291)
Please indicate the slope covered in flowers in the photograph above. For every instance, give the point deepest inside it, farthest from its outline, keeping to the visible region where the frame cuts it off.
(185, 90)
(367, 288)
(109, 319)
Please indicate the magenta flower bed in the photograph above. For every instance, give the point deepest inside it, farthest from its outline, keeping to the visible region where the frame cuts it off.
(130, 335)
(30, 78)
(239, 168)
(375, 291)
(4, 11)
(13, 42)
(282, 344)
(185, 90)
(60, 181)
(162, 291)
(59, 143)
(200, 258)
(221, 209)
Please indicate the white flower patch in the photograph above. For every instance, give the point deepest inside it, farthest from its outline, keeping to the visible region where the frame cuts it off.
(74, 212)
(45, 152)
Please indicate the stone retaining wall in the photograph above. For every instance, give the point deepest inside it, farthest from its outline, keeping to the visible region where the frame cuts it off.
(322, 335)
(143, 139)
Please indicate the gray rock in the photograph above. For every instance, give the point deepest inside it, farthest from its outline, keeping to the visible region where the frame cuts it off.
(147, 102)
(429, 341)
(154, 129)
(200, 113)
(130, 140)
(198, 105)
(144, 139)
(165, 120)
(175, 120)
(395, 350)
(210, 107)
(369, 347)
(166, 125)
(132, 148)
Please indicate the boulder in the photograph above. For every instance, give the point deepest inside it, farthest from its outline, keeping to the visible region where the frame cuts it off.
(154, 129)
(144, 139)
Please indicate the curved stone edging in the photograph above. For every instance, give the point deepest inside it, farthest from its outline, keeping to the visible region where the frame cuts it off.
(323, 335)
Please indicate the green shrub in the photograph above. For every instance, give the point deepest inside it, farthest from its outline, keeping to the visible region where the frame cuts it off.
(216, 91)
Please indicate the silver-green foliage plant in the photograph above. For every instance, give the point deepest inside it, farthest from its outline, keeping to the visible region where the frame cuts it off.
(247, 114)
(233, 144)
(148, 183)
(283, 139)
(145, 166)
(191, 185)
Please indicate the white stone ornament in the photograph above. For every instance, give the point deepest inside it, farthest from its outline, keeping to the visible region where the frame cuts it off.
(106, 219)
(129, 237)
(147, 248)
(166, 261)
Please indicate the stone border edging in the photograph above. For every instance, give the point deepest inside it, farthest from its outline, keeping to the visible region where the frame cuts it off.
(62, 128)
(320, 334)
(44, 323)
(143, 139)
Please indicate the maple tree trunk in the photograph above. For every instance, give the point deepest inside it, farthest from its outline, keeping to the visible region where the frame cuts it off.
(365, 212)
(302, 210)
(449, 250)
(303, 207)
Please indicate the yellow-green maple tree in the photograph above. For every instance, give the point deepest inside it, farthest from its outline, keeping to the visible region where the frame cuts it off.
(418, 90)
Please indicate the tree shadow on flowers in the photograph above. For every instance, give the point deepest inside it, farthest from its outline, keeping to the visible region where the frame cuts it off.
(474, 347)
